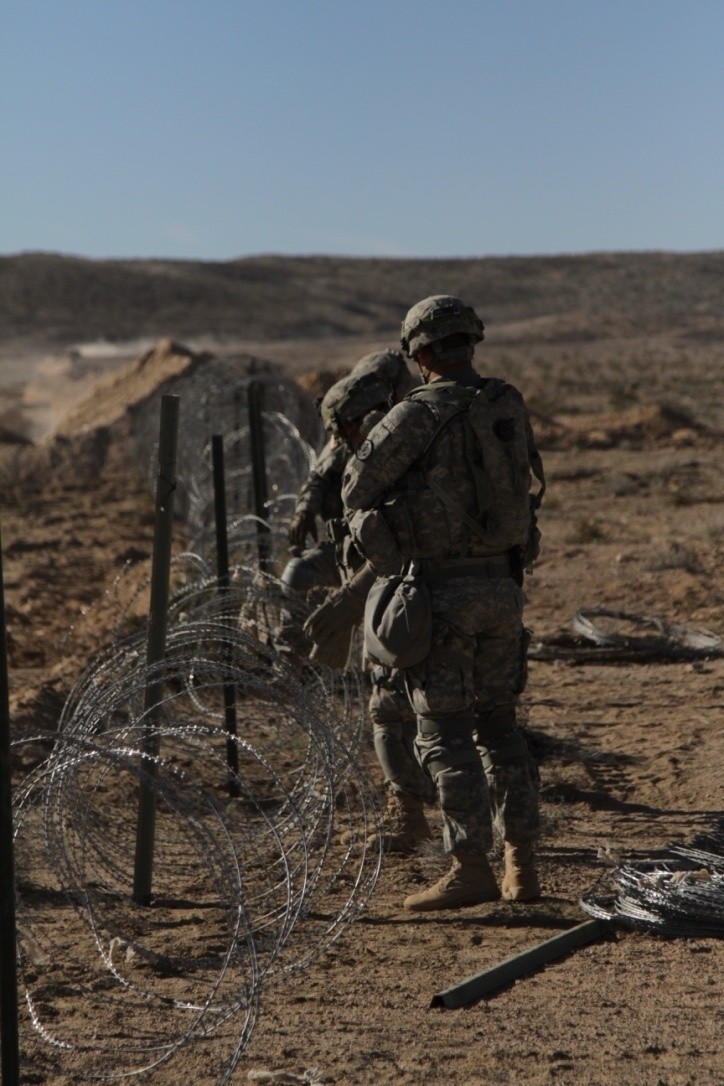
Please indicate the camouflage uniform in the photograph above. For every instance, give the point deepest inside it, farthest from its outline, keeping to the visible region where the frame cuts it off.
(321, 494)
(320, 497)
(318, 565)
(356, 400)
(394, 728)
(468, 687)
(394, 724)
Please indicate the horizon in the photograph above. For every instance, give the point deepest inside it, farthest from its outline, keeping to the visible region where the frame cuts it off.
(582, 255)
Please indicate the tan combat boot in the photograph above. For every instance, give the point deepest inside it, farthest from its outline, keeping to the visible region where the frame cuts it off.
(520, 882)
(470, 881)
(403, 824)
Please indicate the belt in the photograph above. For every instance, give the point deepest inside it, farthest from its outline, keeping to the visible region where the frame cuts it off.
(443, 569)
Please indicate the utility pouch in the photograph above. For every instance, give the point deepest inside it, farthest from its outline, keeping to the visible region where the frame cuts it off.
(337, 530)
(372, 534)
(398, 621)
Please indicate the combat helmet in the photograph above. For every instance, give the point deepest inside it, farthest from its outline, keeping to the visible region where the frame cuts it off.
(391, 368)
(437, 317)
(352, 398)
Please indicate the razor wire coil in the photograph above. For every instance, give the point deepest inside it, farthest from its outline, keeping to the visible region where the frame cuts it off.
(252, 844)
(680, 893)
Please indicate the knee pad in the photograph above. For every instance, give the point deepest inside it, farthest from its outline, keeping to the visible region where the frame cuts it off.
(447, 753)
(500, 738)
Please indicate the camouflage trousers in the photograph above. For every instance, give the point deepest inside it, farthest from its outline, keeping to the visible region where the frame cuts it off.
(394, 728)
(511, 775)
(464, 696)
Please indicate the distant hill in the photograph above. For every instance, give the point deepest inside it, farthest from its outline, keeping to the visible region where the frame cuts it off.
(57, 300)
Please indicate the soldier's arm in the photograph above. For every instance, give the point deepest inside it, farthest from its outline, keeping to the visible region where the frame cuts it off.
(342, 609)
(325, 476)
(319, 497)
(389, 450)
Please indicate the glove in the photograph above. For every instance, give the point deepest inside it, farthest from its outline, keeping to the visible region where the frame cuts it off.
(334, 618)
(334, 654)
(330, 628)
(304, 523)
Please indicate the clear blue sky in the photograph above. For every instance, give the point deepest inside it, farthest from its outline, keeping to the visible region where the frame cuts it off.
(214, 129)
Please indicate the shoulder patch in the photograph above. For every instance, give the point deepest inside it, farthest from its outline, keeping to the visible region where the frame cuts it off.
(364, 450)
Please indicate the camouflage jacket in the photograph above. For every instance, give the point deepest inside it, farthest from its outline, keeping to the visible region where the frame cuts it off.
(321, 493)
(402, 467)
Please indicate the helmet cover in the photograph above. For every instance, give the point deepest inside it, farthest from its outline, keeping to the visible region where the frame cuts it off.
(437, 317)
(351, 398)
(391, 368)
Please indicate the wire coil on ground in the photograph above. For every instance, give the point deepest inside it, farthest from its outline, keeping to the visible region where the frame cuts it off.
(681, 893)
(260, 840)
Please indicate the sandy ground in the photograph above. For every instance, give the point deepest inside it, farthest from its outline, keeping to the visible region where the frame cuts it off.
(631, 754)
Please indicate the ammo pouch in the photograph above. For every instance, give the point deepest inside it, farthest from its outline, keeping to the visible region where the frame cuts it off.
(372, 535)
(398, 621)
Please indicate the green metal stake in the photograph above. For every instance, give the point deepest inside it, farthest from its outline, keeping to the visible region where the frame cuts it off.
(8, 949)
(160, 573)
(258, 467)
(517, 966)
(222, 573)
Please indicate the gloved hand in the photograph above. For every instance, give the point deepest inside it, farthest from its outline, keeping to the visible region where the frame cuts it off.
(334, 653)
(342, 610)
(330, 627)
(303, 524)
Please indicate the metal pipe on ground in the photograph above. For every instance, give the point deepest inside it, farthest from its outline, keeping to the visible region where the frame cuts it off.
(467, 991)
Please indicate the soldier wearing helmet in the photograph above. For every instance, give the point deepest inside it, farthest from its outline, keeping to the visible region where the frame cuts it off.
(444, 325)
(320, 495)
(385, 378)
(445, 477)
(349, 409)
(348, 405)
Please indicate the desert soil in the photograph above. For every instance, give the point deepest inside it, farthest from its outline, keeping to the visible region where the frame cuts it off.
(631, 753)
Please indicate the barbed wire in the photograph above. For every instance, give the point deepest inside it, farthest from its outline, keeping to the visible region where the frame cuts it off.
(251, 880)
(214, 399)
(288, 457)
(680, 892)
(613, 636)
(134, 990)
(261, 839)
(254, 603)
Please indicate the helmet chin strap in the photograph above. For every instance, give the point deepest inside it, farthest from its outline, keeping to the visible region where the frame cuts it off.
(425, 374)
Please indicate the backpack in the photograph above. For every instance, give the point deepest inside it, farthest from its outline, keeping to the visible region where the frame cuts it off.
(500, 455)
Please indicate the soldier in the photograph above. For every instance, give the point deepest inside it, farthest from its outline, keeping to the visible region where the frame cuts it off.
(350, 413)
(320, 496)
(316, 566)
(444, 480)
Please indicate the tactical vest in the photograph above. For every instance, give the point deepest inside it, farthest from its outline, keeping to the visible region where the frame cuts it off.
(469, 491)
